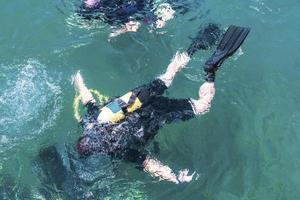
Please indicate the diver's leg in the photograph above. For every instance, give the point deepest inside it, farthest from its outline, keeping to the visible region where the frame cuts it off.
(85, 95)
(162, 82)
(179, 61)
(230, 43)
(206, 95)
(145, 93)
(155, 168)
(169, 110)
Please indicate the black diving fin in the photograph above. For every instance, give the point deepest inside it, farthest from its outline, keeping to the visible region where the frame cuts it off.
(205, 38)
(230, 43)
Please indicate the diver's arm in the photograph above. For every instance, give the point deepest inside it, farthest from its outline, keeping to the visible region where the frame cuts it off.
(179, 61)
(84, 93)
(206, 95)
(163, 172)
(131, 26)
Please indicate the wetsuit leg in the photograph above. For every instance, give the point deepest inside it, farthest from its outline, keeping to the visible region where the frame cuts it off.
(173, 109)
(147, 92)
(135, 156)
(163, 111)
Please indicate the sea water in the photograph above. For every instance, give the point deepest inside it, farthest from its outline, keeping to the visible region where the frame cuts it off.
(246, 147)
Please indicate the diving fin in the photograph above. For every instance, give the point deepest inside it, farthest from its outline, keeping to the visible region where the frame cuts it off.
(230, 43)
(205, 38)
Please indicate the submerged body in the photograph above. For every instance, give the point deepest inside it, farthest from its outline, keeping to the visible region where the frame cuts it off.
(114, 12)
(125, 16)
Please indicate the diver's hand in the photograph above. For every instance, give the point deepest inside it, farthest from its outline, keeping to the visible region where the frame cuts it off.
(184, 177)
(179, 61)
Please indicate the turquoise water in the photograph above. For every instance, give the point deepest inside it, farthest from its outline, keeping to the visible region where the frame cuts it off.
(246, 147)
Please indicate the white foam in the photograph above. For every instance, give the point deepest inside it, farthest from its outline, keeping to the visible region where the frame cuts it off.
(30, 101)
(260, 7)
(3, 139)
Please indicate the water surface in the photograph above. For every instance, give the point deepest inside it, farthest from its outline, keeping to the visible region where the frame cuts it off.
(247, 147)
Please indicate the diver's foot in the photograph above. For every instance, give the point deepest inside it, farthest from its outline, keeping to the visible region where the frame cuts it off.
(179, 61)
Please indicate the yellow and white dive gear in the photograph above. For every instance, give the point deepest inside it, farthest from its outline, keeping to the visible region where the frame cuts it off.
(116, 110)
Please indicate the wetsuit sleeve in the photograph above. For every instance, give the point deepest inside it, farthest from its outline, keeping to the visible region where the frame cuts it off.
(163, 111)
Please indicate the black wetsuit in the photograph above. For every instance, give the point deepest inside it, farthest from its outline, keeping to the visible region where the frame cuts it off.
(116, 12)
(128, 138)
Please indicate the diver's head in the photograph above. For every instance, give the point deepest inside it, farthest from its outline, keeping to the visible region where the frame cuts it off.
(91, 142)
(83, 146)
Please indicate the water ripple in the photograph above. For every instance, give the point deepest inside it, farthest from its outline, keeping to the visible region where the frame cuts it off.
(30, 101)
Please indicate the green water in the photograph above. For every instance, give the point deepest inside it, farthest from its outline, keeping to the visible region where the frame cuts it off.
(246, 147)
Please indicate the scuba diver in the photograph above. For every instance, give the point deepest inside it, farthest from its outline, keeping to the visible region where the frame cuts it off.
(125, 15)
(124, 126)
